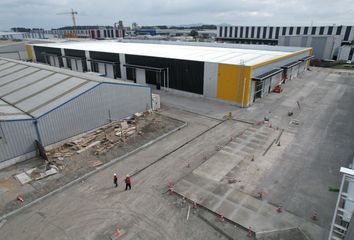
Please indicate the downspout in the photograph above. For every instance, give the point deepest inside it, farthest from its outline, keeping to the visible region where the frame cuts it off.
(37, 131)
(243, 90)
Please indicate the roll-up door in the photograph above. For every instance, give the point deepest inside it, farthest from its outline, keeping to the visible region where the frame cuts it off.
(76, 65)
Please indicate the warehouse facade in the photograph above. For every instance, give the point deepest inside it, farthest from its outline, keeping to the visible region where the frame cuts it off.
(48, 104)
(329, 42)
(233, 73)
(271, 34)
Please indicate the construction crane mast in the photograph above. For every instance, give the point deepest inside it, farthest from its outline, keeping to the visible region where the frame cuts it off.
(72, 13)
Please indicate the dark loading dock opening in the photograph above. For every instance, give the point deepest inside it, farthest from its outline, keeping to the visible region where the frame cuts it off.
(156, 76)
(75, 57)
(106, 60)
(182, 74)
(43, 53)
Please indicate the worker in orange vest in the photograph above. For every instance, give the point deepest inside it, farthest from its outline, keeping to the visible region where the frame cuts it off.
(128, 183)
(115, 179)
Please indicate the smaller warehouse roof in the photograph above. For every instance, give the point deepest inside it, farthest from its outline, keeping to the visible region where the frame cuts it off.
(29, 90)
(235, 56)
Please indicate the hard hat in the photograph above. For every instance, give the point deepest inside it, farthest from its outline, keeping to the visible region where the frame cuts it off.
(115, 174)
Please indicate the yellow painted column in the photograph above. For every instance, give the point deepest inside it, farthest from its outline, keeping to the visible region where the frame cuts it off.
(29, 49)
(234, 83)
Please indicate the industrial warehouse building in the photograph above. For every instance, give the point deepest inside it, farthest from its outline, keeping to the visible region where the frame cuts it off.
(236, 73)
(47, 104)
(329, 42)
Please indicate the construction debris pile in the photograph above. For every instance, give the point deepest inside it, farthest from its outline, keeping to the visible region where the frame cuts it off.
(101, 140)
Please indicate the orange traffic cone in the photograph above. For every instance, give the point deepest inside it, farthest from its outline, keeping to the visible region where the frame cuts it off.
(249, 232)
(279, 209)
(119, 233)
(221, 218)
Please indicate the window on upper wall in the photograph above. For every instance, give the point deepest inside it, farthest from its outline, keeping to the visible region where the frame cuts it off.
(291, 30)
(258, 32)
(220, 32)
(277, 32)
(225, 32)
(313, 31)
(321, 30)
(230, 32)
(252, 32)
(306, 30)
(236, 30)
(270, 32)
(264, 32)
(347, 33)
(298, 29)
(284, 31)
(339, 30)
(330, 30)
(241, 32)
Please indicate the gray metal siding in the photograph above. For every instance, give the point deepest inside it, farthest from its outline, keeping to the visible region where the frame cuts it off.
(93, 109)
(17, 138)
(277, 64)
(79, 115)
(319, 46)
(210, 79)
(124, 100)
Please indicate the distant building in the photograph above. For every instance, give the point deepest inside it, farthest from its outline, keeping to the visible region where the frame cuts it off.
(328, 42)
(24, 33)
(94, 32)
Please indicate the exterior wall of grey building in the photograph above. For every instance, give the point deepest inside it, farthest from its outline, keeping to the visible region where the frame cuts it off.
(17, 138)
(324, 47)
(268, 67)
(320, 47)
(93, 109)
(343, 53)
(346, 33)
(210, 79)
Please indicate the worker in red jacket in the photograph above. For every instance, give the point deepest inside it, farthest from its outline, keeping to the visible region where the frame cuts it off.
(115, 179)
(128, 183)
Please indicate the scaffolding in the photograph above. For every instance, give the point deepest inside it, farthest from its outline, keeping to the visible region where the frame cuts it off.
(342, 219)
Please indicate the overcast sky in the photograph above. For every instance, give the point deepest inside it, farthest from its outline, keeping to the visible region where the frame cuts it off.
(43, 13)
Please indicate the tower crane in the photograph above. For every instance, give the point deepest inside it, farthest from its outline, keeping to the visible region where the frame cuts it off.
(72, 13)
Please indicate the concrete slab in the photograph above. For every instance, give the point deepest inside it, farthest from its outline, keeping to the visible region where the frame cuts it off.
(216, 167)
(23, 178)
(226, 208)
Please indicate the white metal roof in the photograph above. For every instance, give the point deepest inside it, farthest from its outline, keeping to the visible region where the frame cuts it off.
(29, 90)
(194, 53)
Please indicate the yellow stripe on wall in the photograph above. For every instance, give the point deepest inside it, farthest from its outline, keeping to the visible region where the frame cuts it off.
(234, 82)
(282, 57)
(29, 52)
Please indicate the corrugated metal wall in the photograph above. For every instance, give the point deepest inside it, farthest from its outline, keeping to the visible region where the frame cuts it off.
(17, 138)
(93, 109)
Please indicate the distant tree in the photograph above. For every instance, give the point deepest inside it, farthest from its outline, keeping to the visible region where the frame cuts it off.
(20, 29)
(162, 27)
(193, 33)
